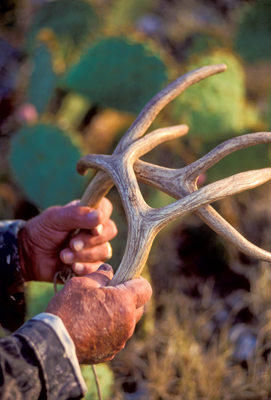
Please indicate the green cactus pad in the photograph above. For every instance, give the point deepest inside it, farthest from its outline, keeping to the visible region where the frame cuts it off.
(43, 161)
(253, 36)
(118, 73)
(42, 81)
(214, 107)
(71, 20)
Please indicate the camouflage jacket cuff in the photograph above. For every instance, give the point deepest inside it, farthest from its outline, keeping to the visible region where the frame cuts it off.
(59, 369)
(12, 311)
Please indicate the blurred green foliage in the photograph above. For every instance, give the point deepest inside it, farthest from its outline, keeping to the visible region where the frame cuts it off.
(253, 36)
(43, 79)
(109, 74)
(43, 159)
(203, 42)
(123, 13)
(254, 157)
(38, 295)
(73, 21)
(214, 107)
(106, 380)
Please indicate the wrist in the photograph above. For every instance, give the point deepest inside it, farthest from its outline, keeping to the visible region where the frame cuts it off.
(24, 255)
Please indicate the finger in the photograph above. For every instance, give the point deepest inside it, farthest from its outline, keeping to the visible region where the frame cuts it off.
(140, 289)
(84, 240)
(106, 209)
(97, 253)
(86, 268)
(102, 276)
(72, 217)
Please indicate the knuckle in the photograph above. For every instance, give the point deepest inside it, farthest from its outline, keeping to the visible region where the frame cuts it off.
(104, 250)
(107, 204)
(73, 284)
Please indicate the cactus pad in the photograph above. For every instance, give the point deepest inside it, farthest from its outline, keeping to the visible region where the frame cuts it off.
(253, 37)
(43, 79)
(214, 107)
(118, 73)
(43, 161)
(71, 20)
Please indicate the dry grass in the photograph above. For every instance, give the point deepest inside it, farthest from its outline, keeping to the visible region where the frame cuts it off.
(180, 357)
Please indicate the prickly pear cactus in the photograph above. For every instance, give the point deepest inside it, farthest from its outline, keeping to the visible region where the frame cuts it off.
(214, 107)
(43, 161)
(253, 36)
(118, 73)
(43, 79)
(72, 21)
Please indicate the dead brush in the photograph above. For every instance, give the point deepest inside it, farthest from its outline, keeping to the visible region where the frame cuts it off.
(173, 362)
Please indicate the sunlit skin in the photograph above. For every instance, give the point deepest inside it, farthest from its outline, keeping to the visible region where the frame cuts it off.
(44, 245)
(99, 319)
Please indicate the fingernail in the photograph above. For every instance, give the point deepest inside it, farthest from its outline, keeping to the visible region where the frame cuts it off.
(110, 252)
(78, 245)
(105, 267)
(78, 268)
(99, 229)
(92, 215)
(67, 256)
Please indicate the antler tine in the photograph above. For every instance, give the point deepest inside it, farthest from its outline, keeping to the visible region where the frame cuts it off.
(158, 102)
(153, 139)
(213, 192)
(193, 170)
(101, 183)
(158, 177)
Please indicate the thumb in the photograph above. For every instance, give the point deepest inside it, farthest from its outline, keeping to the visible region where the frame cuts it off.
(101, 277)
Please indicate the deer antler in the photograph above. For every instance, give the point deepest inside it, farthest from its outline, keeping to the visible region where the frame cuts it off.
(145, 222)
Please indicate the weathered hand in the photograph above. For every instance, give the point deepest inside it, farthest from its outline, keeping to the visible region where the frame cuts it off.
(100, 319)
(42, 240)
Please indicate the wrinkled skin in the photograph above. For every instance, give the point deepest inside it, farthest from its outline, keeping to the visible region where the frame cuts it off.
(100, 319)
(44, 241)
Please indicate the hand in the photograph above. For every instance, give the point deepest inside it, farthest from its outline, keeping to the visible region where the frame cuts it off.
(100, 319)
(42, 240)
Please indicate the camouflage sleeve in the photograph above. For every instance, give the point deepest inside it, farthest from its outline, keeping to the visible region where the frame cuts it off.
(12, 299)
(36, 362)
